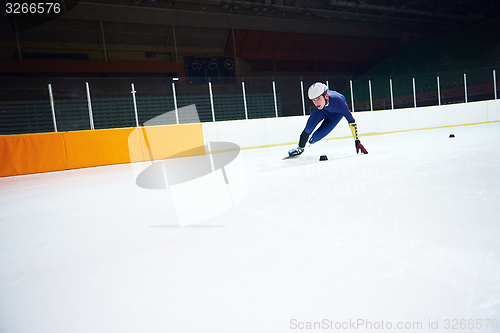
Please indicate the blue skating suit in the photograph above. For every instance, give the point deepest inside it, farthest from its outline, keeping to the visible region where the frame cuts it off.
(330, 114)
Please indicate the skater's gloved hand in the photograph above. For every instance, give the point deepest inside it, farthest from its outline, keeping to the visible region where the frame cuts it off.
(296, 151)
(360, 148)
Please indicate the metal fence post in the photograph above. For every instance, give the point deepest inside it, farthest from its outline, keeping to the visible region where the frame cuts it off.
(352, 96)
(275, 99)
(135, 106)
(465, 86)
(439, 91)
(495, 82)
(370, 89)
(211, 99)
(392, 95)
(244, 98)
(90, 106)
(414, 94)
(174, 94)
(52, 107)
(303, 101)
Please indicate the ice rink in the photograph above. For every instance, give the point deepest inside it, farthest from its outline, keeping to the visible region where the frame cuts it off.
(406, 238)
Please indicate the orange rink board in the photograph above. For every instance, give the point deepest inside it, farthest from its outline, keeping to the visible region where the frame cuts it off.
(31, 153)
(45, 152)
(94, 148)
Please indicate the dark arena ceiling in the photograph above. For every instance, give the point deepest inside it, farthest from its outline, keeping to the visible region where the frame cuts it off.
(411, 15)
(345, 36)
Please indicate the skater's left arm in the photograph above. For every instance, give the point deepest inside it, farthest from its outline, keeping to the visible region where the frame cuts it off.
(354, 131)
(344, 109)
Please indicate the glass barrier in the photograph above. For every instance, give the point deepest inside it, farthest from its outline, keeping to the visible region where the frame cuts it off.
(426, 90)
(71, 104)
(260, 98)
(31, 105)
(193, 93)
(112, 102)
(479, 84)
(25, 106)
(452, 87)
(227, 95)
(289, 96)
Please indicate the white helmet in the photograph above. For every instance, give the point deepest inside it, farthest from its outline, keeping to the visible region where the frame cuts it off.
(316, 90)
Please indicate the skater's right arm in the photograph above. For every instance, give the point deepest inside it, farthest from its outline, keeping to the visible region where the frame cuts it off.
(311, 124)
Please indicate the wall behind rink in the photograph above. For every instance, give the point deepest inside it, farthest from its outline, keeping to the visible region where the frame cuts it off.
(258, 133)
(45, 152)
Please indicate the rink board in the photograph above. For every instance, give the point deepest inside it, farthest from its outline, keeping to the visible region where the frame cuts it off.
(46, 152)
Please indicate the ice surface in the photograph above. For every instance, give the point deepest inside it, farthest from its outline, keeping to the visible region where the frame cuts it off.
(408, 233)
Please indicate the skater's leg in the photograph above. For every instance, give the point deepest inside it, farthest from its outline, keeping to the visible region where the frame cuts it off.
(326, 127)
(313, 121)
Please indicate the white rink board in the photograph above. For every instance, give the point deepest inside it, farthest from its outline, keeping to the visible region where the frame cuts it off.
(287, 130)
